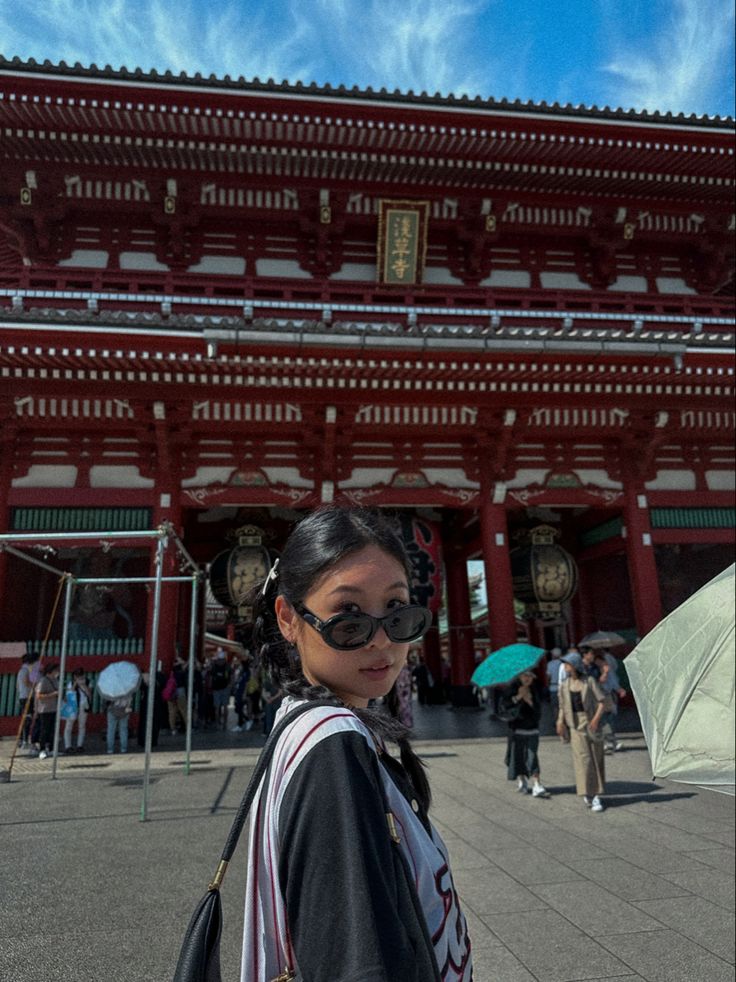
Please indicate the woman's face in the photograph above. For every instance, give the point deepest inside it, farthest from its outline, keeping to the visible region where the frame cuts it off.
(526, 678)
(370, 581)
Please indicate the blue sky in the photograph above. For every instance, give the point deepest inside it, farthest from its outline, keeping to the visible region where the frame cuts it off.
(673, 55)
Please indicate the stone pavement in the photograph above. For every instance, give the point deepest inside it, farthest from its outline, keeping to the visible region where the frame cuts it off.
(643, 891)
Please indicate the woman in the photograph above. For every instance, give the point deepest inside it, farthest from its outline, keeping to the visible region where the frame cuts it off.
(582, 703)
(46, 695)
(330, 895)
(521, 708)
(80, 701)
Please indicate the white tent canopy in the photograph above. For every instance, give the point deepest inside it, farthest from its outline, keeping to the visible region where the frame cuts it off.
(682, 677)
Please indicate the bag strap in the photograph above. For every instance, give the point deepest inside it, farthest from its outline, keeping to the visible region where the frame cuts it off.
(261, 767)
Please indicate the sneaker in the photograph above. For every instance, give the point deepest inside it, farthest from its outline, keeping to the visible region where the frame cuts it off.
(617, 746)
(236, 729)
(521, 786)
(249, 724)
(538, 790)
(43, 755)
(587, 801)
(80, 750)
(596, 804)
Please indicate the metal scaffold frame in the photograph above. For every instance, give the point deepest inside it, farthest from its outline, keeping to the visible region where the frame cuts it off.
(163, 536)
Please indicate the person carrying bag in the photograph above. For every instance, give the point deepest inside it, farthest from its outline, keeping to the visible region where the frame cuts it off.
(347, 877)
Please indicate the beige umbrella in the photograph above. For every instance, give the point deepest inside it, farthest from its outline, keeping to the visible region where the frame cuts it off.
(682, 677)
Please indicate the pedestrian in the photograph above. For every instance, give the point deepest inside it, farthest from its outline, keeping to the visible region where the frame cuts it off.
(272, 698)
(24, 684)
(46, 697)
(554, 665)
(609, 682)
(404, 695)
(220, 680)
(589, 663)
(253, 689)
(578, 721)
(240, 680)
(118, 711)
(77, 704)
(177, 706)
(159, 708)
(423, 680)
(330, 896)
(521, 708)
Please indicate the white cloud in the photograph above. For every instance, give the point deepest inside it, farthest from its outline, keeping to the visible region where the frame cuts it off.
(421, 44)
(184, 36)
(678, 69)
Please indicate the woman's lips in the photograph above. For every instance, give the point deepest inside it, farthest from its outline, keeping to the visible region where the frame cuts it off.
(379, 673)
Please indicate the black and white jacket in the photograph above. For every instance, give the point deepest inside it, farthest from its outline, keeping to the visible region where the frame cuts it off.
(326, 896)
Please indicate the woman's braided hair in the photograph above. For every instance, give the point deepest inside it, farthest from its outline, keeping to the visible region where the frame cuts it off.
(316, 545)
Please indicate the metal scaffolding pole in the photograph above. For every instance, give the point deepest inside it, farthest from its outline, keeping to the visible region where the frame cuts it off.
(190, 677)
(72, 537)
(62, 669)
(133, 579)
(160, 550)
(30, 559)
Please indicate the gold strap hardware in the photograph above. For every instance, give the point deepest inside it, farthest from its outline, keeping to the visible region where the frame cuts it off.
(285, 976)
(393, 831)
(219, 875)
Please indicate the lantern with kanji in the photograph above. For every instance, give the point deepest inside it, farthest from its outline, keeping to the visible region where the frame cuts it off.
(234, 572)
(545, 575)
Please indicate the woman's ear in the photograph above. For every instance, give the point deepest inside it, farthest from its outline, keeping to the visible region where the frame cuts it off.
(286, 618)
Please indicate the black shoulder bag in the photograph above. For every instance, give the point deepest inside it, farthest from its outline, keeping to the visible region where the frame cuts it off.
(199, 958)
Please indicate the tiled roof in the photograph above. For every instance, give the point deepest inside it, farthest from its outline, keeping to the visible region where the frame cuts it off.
(583, 336)
(368, 95)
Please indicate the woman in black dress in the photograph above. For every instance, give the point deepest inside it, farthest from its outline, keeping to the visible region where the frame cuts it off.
(521, 709)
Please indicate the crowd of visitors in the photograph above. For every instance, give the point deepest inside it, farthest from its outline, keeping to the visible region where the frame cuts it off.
(222, 684)
(582, 687)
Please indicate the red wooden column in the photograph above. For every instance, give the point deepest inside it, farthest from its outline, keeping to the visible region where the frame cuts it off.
(495, 540)
(7, 457)
(167, 508)
(460, 628)
(582, 610)
(432, 651)
(642, 566)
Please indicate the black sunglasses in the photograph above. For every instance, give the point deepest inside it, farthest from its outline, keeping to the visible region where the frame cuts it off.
(349, 631)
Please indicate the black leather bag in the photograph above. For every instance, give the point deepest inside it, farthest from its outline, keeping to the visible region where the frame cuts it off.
(199, 958)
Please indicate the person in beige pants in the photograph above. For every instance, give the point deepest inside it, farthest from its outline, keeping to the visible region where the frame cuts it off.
(582, 702)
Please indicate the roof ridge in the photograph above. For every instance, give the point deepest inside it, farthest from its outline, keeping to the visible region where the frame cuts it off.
(326, 90)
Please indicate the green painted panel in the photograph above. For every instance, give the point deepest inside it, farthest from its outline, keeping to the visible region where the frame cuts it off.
(80, 519)
(693, 518)
(601, 533)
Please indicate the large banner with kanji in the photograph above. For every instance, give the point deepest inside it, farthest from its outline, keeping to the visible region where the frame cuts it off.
(402, 241)
(423, 545)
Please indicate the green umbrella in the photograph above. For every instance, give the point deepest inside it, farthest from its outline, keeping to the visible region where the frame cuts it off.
(682, 677)
(505, 664)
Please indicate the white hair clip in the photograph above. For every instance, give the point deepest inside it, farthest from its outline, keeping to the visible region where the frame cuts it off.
(272, 577)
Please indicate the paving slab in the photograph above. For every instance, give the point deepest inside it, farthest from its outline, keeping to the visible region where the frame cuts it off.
(625, 880)
(554, 950)
(593, 909)
(714, 884)
(695, 918)
(665, 956)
